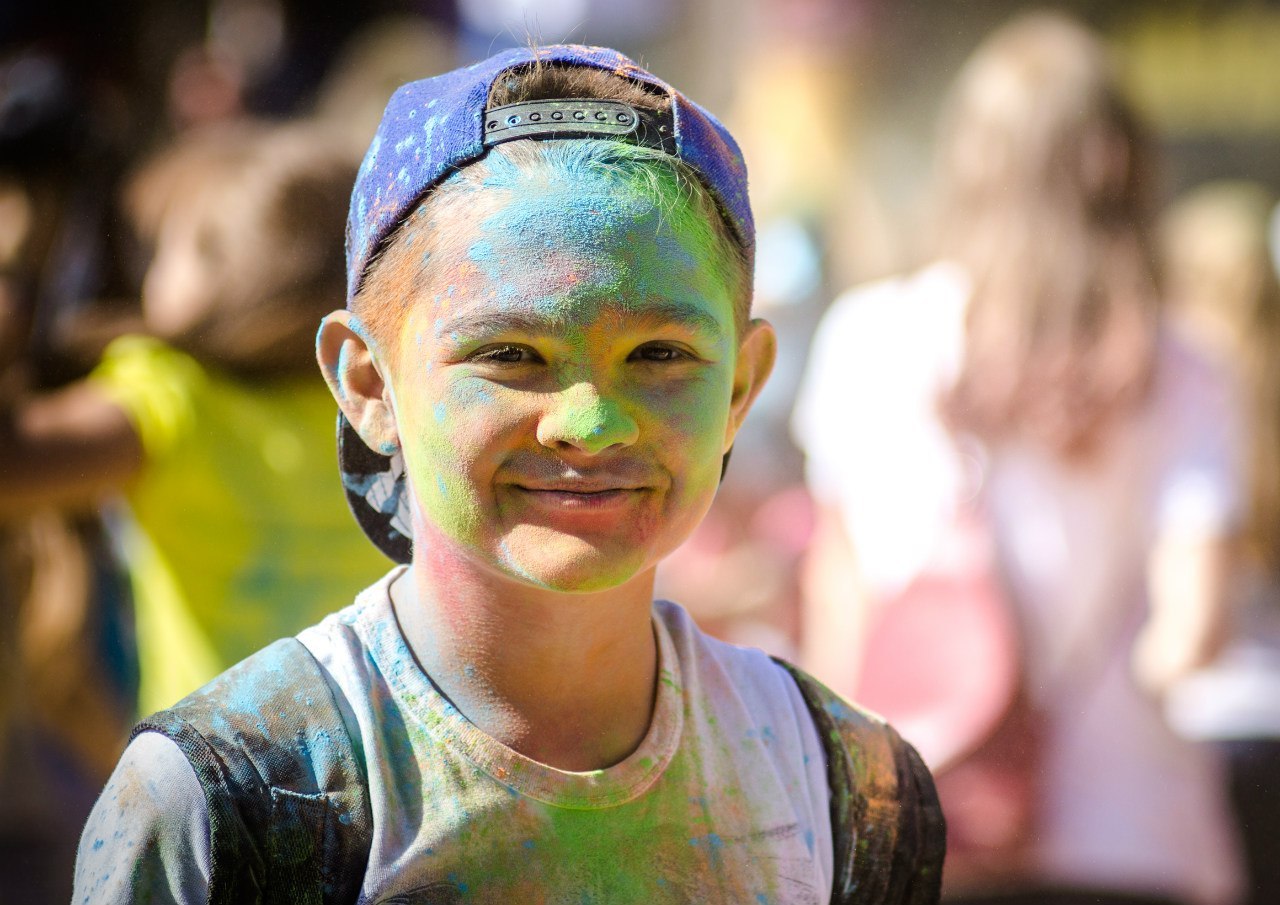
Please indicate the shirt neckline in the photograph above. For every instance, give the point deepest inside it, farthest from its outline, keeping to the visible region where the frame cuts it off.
(589, 790)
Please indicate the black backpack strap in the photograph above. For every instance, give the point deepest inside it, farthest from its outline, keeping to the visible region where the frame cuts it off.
(286, 787)
(886, 823)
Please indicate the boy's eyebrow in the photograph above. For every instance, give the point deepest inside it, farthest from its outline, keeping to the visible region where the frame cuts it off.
(525, 320)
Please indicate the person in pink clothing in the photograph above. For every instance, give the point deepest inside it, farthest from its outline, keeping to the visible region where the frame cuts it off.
(1031, 360)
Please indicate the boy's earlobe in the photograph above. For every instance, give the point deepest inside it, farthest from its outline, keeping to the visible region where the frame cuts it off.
(353, 375)
(757, 351)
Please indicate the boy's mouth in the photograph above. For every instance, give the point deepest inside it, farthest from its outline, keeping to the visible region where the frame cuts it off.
(571, 489)
(579, 498)
(580, 487)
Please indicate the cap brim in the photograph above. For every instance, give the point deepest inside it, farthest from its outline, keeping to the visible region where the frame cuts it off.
(377, 493)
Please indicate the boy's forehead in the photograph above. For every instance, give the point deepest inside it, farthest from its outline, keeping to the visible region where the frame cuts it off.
(552, 263)
(575, 315)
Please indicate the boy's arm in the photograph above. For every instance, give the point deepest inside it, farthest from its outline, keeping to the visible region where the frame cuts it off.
(65, 449)
(147, 839)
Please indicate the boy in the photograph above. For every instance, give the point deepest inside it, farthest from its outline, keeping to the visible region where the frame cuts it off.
(544, 359)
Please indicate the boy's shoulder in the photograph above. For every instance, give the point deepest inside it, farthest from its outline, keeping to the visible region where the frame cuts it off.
(757, 677)
(883, 804)
(752, 672)
(283, 782)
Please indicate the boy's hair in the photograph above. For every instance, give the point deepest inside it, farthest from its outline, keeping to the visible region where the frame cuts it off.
(399, 269)
(269, 205)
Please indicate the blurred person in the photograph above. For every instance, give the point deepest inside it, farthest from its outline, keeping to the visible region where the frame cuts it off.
(374, 62)
(265, 59)
(66, 666)
(64, 689)
(215, 434)
(205, 87)
(484, 24)
(1226, 296)
(1026, 379)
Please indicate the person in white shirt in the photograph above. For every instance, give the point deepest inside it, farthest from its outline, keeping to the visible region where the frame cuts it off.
(1032, 356)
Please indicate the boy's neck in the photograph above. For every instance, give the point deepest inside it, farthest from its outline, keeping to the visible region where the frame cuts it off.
(565, 679)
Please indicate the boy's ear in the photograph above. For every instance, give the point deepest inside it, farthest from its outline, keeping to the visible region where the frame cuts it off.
(354, 378)
(756, 353)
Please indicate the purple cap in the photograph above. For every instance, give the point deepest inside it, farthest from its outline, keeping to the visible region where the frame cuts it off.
(435, 126)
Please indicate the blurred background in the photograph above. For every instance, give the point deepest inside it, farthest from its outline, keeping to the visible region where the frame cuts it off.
(110, 117)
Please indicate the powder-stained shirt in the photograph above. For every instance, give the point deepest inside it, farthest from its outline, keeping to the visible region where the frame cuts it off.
(240, 534)
(724, 801)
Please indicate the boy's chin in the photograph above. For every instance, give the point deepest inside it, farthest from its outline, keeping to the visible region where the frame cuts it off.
(570, 565)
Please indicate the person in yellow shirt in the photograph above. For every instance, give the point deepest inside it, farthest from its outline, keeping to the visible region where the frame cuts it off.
(213, 427)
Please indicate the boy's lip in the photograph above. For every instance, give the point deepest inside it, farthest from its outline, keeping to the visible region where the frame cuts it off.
(564, 489)
(619, 477)
(602, 500)
(581, 488)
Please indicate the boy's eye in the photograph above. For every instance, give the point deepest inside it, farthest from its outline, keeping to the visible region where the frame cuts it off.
(659, 352)
(505, 355)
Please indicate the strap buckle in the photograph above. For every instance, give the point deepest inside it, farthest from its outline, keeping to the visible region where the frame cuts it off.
(581, 118)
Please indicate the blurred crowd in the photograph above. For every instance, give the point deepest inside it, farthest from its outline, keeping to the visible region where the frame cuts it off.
(1015, 482)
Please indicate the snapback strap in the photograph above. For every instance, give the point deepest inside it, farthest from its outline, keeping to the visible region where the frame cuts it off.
(582, 118)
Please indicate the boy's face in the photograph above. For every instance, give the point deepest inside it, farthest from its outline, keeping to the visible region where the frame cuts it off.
(565, 386)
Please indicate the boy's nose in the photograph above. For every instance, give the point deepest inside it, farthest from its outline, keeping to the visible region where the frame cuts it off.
(581, 417)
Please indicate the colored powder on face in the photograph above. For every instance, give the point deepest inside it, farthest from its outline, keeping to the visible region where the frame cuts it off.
(582, 414)
(574, 255)
(609, 233)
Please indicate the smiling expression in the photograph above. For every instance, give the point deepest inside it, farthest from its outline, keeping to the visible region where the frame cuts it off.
(562, 384)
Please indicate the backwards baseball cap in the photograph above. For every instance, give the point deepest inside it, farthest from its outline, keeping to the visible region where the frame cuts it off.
(436, 126)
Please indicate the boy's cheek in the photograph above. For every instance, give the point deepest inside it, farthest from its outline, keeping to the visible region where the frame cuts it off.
(442, 484)
(692, 416)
